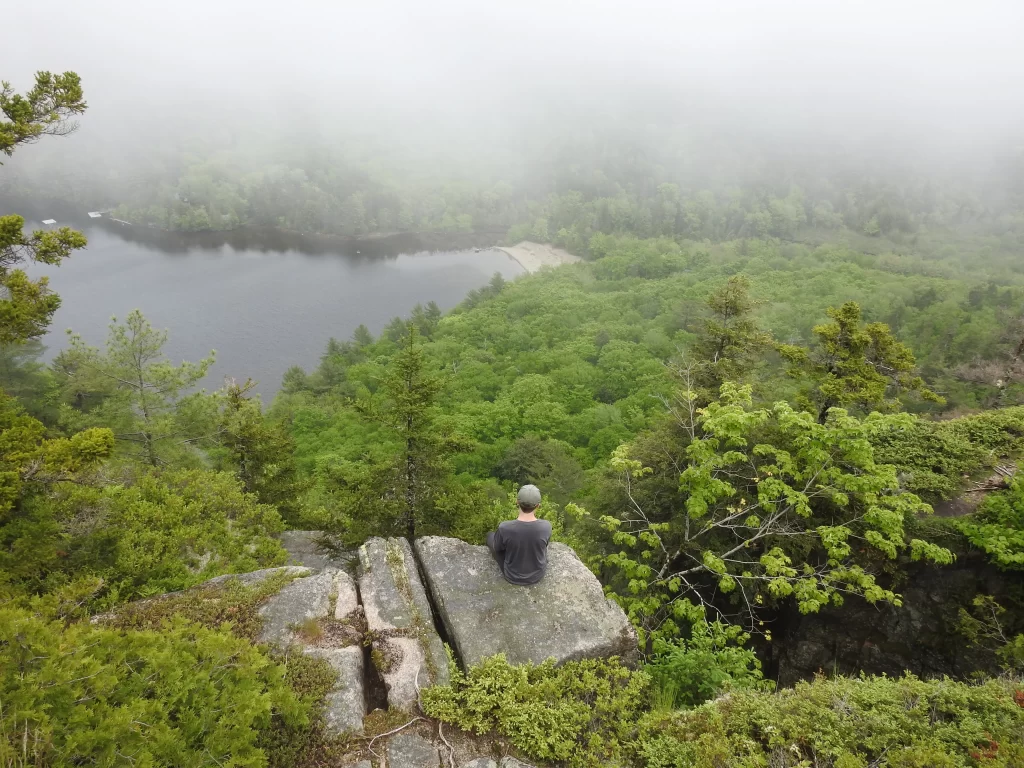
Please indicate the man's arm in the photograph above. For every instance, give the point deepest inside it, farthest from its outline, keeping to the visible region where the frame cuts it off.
(499, 541)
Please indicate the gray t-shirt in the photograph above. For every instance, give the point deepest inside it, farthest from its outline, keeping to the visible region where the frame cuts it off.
(525, 545)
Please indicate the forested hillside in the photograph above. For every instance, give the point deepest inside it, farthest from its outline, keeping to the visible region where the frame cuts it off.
(771, 392)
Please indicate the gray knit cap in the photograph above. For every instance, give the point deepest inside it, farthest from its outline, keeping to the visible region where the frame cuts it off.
(529, 496)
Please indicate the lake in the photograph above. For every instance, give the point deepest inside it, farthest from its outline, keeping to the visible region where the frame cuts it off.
(264, 301)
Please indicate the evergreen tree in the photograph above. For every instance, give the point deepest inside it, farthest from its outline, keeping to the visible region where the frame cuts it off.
(27, 306)
(410, 390)
(132, 388)
(729, 341)
(261, 452)
(856, 364)
(46, 110)
(362, 336)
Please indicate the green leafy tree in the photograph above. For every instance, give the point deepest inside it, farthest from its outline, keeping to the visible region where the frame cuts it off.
(856, 364)
(757, 506)
(399, 482)
(997, 527)
(712, 660)
(133, 388)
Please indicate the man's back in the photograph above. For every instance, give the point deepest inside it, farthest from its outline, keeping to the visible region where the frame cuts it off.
(525, 545)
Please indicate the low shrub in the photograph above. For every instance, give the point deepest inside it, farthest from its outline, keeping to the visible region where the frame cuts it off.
(713, 660)
(581, 713)
(185, 695)
(230, 605)
(845, 723)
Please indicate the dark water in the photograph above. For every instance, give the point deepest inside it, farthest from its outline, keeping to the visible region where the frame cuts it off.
(263, 300)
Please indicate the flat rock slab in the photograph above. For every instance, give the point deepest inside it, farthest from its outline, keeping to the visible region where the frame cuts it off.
(308, 548)
(565, 616)
(480, 762)
(346, 599)
(346, 703)
(298, 602)
(407, 650)
(407, 750)
(511, 762)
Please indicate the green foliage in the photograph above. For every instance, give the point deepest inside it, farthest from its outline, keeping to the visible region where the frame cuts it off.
(933, 458)
(845, 723)
(181, 696)
(730, 341)
(135, 390)
(31, 469)
(710, 662)
(260, 452)
(230, 605)
(999, 431)
(857, 364)
(581, 713)
(399, 478)
(43, 111)
(27, 305)
(984, 625)
(767, 506)
(163, 532)
(997, 526)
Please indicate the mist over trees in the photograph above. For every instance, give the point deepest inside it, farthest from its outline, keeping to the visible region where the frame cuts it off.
(793, 334)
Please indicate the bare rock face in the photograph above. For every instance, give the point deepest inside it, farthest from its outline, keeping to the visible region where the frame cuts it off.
(313, 550)
(480, 762)
(346, 703)
(407, 650)
(302, 600)
(407, 750)
(346, 598)
(565, 616)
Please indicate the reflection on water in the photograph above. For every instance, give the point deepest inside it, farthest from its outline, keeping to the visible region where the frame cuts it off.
(264, 301)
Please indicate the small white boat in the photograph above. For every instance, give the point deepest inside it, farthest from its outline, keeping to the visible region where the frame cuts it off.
(49, 221)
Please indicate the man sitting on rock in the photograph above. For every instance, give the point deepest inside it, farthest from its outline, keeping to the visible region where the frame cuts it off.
(520, 546)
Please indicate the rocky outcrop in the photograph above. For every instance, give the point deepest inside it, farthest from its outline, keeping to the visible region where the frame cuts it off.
(301, 601)
(407, 750)
(315, 550)
(345, 707)
(566, 616)
(923, 635)
(323, 611)
(407, 649)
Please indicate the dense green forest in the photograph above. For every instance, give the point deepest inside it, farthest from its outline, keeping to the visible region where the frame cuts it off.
(743, 404)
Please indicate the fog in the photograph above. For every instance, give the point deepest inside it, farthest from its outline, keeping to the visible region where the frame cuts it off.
(483, 80)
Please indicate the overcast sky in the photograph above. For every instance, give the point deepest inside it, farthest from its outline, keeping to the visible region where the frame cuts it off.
(948, 69)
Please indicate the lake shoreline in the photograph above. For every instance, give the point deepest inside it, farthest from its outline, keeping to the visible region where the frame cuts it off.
(536, 256)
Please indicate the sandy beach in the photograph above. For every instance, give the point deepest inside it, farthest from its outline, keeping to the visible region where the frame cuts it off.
(533, 256)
